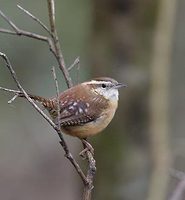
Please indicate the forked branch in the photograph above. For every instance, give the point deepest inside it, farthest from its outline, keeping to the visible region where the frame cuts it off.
(22, 91)
(54, 45)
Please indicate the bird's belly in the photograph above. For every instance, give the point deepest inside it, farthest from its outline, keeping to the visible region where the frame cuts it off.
(91, 128)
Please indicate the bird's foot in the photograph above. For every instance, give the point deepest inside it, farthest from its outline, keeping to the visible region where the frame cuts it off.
(87, 148)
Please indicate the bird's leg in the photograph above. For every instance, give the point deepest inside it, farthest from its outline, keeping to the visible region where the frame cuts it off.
(87, 147)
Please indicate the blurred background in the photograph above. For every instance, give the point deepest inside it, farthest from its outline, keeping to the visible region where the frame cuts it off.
(140, 43)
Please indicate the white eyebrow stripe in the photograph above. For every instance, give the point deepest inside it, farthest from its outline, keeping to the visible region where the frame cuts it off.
(96, 82)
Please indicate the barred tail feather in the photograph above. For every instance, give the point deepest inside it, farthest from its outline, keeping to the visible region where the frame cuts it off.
(45, 102)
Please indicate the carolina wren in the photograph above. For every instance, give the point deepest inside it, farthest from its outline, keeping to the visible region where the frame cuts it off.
(85, 109)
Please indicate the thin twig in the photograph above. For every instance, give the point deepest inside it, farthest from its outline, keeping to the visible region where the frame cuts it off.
(76, 62)
(91, 162)
(58, 105)
(21, 32)
(25, 33)
(57, 92)
(90, 176)
(35, 18)
(77, 74)
(51, 9)
(55, 48)
(10, 90)
(59, 55)
(43, 38)
(63, 143)
(16, 29)
(14, 76)
(53, 43)
(13, 99)
(7, 31)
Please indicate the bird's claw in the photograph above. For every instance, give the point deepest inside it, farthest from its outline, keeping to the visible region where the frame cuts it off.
(87, 148)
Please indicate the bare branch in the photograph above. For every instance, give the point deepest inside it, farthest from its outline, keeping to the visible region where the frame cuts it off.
(62, 142)
(10, 90)
(54, 45)
(90, 176)
(13, 99)
(57, 92)
(59, 55)
(58, 106)
(14, 76)
(51, 9)
(55, 48)
(91, 162)
(35, 18)
(2, 30)
(26, 33)
(76, 62)
(22, 91)
(21, 32)
(16, 29)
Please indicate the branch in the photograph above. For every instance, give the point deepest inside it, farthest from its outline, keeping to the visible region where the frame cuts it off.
(22, 91)
(35, 19)
(90, 176)
(55, 48)
(14, 76)
(59, 55)
(21, 32)
(9, 22)
(76, 62)
(10, 90)
(53, 42)
(57, 92)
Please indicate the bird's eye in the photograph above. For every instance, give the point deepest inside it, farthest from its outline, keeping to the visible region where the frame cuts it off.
(103, 85)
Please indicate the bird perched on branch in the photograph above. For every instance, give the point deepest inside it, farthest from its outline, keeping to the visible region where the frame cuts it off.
(85, 109)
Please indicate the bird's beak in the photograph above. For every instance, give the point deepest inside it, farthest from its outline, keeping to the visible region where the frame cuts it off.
(120, 85)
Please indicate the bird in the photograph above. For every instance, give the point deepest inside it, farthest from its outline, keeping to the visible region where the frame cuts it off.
(86, 109)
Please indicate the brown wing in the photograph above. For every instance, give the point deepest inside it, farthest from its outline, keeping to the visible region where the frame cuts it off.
(75, 113)
(77, 108)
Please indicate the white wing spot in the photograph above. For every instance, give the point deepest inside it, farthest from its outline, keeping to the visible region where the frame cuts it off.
(71, 108)
(65, 112)
(87, 104)
(80, 110)
(75, 103)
